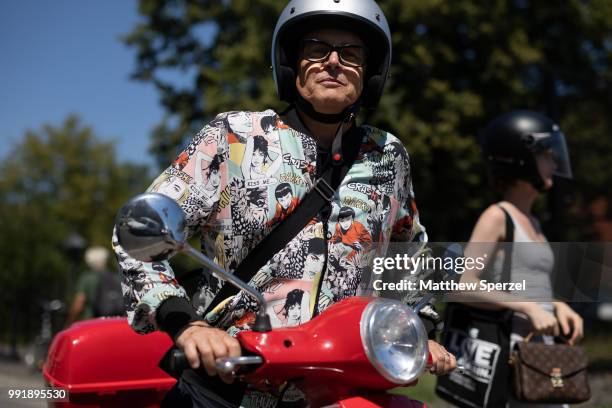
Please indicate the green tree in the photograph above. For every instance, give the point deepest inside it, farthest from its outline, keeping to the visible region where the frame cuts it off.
(56, 181)
(457, 64)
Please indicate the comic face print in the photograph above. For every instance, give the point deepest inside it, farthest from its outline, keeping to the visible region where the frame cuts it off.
(345, 223)
(240, 122)
(214, 180)
(294, 308)
(261, 160)
(285, 201)
(258, 159)
(173, 187)
(314, 264)
(293, 315)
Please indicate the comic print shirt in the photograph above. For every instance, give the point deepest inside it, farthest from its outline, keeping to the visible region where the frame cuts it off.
(241, 175)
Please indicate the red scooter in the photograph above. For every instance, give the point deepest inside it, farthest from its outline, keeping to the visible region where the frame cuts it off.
(348, 356)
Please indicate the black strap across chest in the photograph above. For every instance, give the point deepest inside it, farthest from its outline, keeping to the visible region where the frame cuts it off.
(509, 238)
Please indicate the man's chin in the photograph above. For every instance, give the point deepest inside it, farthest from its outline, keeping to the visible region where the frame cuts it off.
(331, 106)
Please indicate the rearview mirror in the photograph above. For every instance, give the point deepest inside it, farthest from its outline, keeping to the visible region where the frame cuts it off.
(151, 227)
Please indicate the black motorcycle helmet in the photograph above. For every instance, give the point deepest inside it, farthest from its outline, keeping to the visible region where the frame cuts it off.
(511, 141)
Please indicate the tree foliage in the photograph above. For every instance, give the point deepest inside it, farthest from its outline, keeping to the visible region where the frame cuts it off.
(55, 182)
(457, 64)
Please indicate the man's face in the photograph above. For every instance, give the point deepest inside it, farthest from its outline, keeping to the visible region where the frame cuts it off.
(329, 85)
(285, 201)
(345, 223)
(240, 122)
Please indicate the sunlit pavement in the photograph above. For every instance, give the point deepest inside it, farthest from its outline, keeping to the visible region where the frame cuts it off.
(14, 375)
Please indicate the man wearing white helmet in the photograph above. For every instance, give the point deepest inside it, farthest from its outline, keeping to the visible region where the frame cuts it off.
(330, 58)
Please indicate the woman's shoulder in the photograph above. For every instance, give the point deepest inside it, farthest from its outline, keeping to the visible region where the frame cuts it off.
(491, 225)
(494, 214)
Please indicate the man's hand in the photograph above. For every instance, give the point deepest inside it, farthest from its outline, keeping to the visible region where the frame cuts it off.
(570, 322)
(203, 344)
(442, 362)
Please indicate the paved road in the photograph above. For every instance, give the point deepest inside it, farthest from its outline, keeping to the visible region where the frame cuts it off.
(16, 375)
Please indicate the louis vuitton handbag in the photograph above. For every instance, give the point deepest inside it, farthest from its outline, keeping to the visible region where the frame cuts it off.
(543, 373)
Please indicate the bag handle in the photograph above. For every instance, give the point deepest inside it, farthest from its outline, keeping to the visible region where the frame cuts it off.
(529, 337)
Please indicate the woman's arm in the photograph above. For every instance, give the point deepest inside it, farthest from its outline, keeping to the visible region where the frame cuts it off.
(488, 231)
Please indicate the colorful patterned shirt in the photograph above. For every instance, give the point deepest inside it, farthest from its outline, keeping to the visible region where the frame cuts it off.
(240, 176)
(237, 175)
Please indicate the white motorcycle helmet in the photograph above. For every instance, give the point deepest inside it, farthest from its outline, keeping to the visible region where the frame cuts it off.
(363, 17)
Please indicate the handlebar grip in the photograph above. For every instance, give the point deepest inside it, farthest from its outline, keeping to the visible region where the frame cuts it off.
(178, 361)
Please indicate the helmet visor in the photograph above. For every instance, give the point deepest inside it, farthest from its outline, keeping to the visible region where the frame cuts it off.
(555, 144)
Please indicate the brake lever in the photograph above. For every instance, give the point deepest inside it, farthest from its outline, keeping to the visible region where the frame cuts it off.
(229, 365)
(459, 367)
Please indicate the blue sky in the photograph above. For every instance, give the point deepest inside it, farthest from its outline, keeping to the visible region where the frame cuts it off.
(65, 56)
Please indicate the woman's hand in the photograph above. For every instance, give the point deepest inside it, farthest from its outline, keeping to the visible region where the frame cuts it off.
(570, 322)
(442, 362)
(542, 321)
(203, 344)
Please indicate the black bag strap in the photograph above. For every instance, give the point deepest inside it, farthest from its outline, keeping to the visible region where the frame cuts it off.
(320, 196)
(508, 239)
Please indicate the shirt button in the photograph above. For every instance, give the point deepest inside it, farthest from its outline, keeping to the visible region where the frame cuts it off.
(328, 235)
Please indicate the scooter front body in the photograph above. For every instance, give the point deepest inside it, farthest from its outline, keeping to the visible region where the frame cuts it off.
(324, 357)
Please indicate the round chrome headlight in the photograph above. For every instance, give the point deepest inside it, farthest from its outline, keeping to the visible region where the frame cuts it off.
(394, 339)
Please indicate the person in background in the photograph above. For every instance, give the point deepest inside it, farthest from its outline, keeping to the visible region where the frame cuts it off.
(524, 151)
(98, 290)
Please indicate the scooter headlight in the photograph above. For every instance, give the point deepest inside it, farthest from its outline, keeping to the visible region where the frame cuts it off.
(394, 339)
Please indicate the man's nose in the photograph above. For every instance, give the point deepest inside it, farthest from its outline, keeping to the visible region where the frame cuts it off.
(333, 59)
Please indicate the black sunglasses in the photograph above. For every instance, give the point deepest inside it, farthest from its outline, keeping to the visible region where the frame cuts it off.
(314, 50)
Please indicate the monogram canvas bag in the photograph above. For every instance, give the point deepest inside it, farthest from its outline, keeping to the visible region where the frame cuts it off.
(543, 373)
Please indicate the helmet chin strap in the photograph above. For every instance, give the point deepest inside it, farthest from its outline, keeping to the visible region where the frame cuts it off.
(344, 117)
(328, 118)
